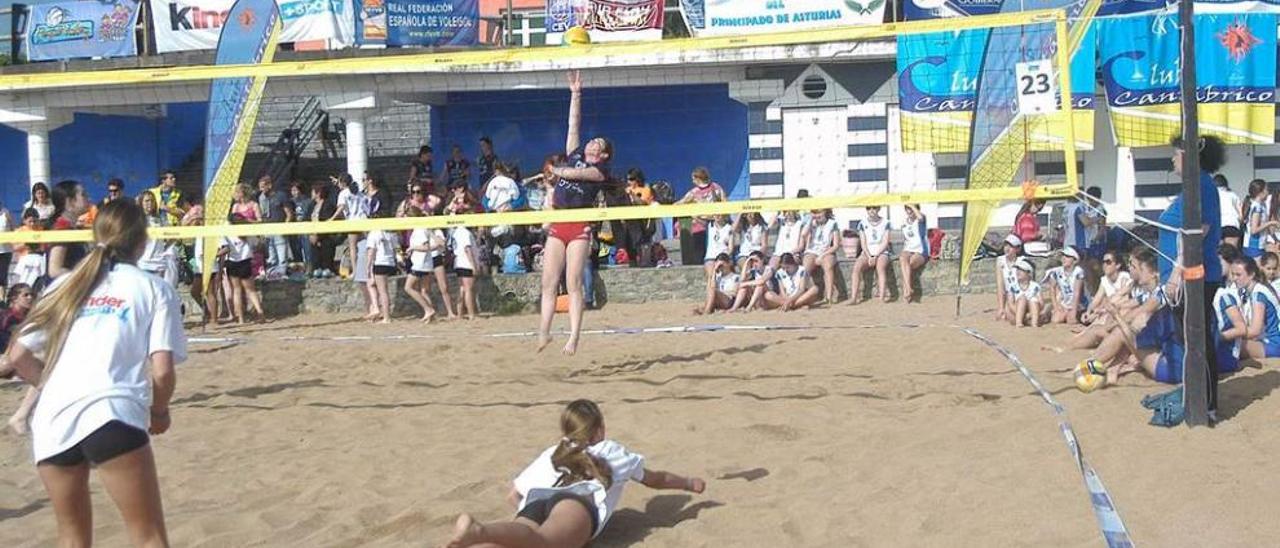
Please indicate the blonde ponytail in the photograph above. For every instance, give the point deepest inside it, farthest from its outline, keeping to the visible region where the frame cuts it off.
(119, 231)
(579, 422)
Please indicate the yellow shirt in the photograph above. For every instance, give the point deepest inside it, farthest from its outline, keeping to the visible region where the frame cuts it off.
(170, 206)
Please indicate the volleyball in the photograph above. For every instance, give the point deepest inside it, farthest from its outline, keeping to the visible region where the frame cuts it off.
(1090, 375)
(576, 36)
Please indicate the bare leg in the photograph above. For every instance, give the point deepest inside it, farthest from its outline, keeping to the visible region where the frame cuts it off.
(1036, 318)
(68, 488)
(442, 282)
(575, 262)
(709, 303)
(809, 297)
(882, 276)
(18, 422)
(829, 277)
(371, 299)
(568, 525)
(255, 298)
(469, 297)
(237, 299)
(384, 297)
(1019, 312)
(351, 254)
(855, 279)
(553, 258)
(131, 481)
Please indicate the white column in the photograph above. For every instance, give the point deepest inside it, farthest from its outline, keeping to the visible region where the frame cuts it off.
(357, 148)
(38, 155)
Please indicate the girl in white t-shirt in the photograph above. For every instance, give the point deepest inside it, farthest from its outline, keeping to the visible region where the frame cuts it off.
(821, 240)
(381, 246)
(724, 291)
(102, 344)
(1007, 277)
(463, 243)
(421, 266)
(873, 233)
(1112, 286)
(789, 231)
(1066, 283)
(719, 241)
(791, 287)
(1026, 296)
(915, 250)
(237, 253)
(566, 496)
(752, 234)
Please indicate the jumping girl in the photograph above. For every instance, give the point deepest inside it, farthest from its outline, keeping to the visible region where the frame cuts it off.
(1007, 276)
(915, 250)
(102, 345)
(565, 497)
(874, 231)
(822, 239)
(1067, 282)
(421, 266)
(565, 253)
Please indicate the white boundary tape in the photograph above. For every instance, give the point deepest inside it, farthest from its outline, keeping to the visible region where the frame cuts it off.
(1112, 527)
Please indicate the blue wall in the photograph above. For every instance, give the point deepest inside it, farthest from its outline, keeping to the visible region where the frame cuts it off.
(665, 131)
(94, 148)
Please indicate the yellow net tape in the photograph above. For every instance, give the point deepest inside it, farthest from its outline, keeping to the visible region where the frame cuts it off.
(558, 216)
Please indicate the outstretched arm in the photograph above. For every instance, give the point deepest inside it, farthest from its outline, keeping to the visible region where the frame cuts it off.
(575, 112)
(658, 479)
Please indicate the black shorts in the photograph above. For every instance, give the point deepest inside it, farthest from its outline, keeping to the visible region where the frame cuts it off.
(464, 273)
(383, 270)
(1231, 232)
(107, 442)
(242, 270)
(539, 510)
(420, 273)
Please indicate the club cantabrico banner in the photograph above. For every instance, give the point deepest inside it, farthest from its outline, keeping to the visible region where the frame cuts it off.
(938, 75)
(88, 28)
(1235, 77)
(726, 17)
(606, 20)
(182, 25)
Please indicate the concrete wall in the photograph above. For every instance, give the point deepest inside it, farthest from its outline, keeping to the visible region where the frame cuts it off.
(665, 131)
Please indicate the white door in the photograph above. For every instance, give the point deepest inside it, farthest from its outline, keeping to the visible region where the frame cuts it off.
(814, 151)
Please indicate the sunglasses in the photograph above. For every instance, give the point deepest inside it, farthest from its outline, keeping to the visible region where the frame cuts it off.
(1108, 261)
(26, 294)
(419, 191)
(115, 190)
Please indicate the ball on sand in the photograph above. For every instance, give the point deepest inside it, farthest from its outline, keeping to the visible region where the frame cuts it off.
(576, 36)
(1090, 375)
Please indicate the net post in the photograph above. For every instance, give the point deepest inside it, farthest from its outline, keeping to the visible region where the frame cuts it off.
(1068, 113)
(1199, 385)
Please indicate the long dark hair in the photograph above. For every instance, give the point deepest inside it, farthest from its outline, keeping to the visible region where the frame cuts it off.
(1251, 266)
(1256, 186)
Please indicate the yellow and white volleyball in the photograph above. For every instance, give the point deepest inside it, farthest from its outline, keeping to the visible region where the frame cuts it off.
(576, 36)
(1090, 375)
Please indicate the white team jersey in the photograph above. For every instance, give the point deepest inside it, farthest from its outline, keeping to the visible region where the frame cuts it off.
(820, 236)
(788, 238)
(915, 237)
(719, 239)
(1065, 282)
(727, 283)
(872, 233)
(1005, 269)
(1029, 293)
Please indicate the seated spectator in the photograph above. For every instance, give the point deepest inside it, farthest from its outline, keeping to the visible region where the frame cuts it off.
(723, 291)
(1026, 300)
(1113, 284)
(19, 302)
(1066, 286)
(792, 288)
(915, 250)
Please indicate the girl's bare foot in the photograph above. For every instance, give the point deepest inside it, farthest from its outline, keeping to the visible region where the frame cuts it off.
(543, 340)
(18, 425)
(429, 316)
(466, 532)
(571, 347)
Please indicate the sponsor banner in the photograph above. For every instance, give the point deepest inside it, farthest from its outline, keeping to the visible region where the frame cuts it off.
(1235, 77)
(69, 30)
(915, 10)
(371, 24)
(183, 25)
(938, 76)
(606, 20)
(729, 17)
(695, 13)
(432, 22)
(249, 38)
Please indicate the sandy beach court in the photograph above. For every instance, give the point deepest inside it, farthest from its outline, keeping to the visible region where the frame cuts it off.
(835, 435)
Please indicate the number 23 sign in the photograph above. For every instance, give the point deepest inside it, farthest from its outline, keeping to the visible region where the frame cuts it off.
(1037, 87)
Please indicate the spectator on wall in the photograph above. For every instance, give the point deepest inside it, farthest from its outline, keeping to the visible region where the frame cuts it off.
(271, 204)
(487, 163)
(169, 198)
(421, 172)
(303, 204)
(41, 201)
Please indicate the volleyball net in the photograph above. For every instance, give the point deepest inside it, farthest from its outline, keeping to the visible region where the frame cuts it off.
(944, 113)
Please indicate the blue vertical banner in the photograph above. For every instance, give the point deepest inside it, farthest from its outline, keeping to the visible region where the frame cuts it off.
(84, 29)
(249, 37)
(432, 22)
(1235, 77)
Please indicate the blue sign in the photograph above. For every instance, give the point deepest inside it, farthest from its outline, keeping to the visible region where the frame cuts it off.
(432, 22)
(69, 30)
(244, 40)
(915, 10)
(695, 13)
